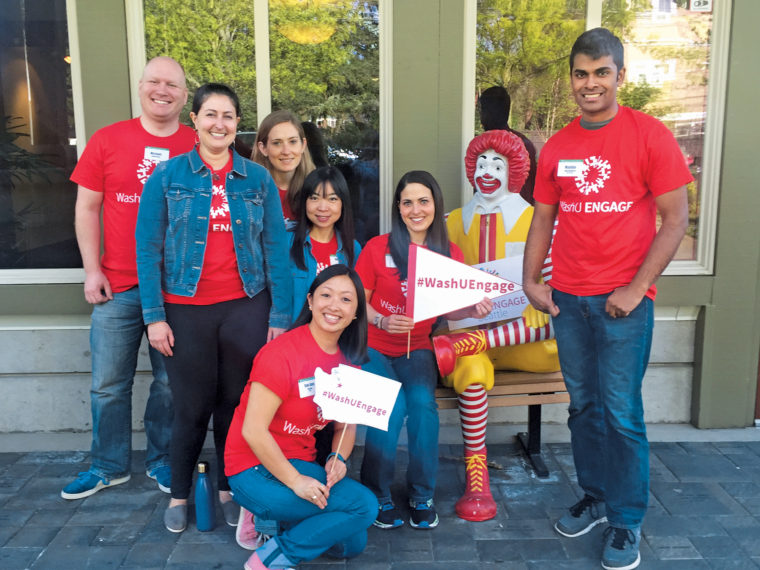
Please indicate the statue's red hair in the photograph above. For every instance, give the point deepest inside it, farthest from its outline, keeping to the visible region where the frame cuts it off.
(505, 143)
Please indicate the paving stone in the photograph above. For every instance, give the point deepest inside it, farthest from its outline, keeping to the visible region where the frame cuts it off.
(717, 547)
(658, 471)
(563, 565)
(111, 535)
(143, 557)
(33, 536)
(409, 548)
(6, 532)
(586, 547)
(673, 548)
(675, 565)
(18, 558)
(113, 514)
(706, 467)
(377, 550)
(41, 493)
(206, 555)
(527, 550)
(722, 564)
(695, 499)
(682, 525)
(14, 517)
(98, 557)
(75, 536)
(50, 517)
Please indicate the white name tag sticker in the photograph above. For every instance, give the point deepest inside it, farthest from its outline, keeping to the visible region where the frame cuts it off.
(156, 154)
(389, 260)
(334, 260)
(306, 387)
(569, 168)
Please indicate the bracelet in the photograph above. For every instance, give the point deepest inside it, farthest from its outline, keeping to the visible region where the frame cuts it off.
(336, 454)
(377, 319)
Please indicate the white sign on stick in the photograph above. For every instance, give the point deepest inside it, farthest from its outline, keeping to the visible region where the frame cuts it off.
(438, 285)
(506, 307)
(352, 396)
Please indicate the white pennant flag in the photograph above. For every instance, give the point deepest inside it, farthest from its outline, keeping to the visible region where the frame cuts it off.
(352, 396)
(438, 285)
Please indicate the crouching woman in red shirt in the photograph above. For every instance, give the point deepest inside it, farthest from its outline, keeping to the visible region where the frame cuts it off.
(270, 453)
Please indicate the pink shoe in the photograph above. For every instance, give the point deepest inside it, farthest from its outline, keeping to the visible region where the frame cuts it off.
(246, 534)
(254, 562)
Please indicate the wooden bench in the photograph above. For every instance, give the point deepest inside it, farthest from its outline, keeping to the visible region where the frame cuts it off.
(512, 388)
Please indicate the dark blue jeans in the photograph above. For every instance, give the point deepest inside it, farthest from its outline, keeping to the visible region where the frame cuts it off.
(115, 335)
(603, 360)
(416, 402)
(340, 529)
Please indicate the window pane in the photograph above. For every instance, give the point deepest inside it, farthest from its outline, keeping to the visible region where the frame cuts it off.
(214, 43)
(667, 51)
(37, 141)
(325, 67)
(524, 46)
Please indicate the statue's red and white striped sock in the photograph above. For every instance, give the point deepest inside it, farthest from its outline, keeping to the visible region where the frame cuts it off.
(473, 413)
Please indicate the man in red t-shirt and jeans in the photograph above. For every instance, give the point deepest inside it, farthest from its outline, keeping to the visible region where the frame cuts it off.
(604, 177)
(110, 175)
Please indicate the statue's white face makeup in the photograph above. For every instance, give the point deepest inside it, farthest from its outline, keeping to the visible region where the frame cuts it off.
(491, 173)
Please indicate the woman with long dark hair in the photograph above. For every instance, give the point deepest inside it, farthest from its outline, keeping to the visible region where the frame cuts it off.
(324, 233)
(270, 456)
(383, 267)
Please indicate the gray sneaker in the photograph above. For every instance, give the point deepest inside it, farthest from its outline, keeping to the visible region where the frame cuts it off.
(621, 548)
(581, 517)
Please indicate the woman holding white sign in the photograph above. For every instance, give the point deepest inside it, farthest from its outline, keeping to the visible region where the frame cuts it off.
(270, 454)
(401, 349)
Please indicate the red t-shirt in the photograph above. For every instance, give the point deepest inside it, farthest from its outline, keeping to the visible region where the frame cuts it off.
(605, 182)
(286, 366)
(323, 251)
(117, 161)
(379, 274)
(287, 213)
(220, 279)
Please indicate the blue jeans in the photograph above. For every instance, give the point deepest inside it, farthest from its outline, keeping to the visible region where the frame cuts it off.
(416, 400)
(115, 335)
(340, 529)
(603, 361)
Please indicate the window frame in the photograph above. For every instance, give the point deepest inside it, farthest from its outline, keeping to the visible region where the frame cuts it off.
(717, 81)
(136, 60)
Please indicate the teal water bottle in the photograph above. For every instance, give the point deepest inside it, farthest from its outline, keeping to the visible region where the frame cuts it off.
(204, 499)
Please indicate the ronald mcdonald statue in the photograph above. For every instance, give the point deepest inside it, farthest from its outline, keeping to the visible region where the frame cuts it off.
(493, 225)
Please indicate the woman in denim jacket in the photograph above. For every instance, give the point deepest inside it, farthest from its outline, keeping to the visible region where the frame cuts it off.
(210, 240)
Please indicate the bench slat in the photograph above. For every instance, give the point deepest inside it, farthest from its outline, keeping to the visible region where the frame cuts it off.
(515, 389)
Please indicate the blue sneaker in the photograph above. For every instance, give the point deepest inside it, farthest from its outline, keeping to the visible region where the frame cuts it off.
(621, 548)
(87, 483)
(163, 476)
(423, 514)
(581, 517)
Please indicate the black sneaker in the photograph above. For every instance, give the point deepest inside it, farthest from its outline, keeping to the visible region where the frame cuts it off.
(388, 516)
(423, 514)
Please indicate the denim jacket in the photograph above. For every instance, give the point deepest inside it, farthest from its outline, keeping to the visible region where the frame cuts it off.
(172, 229)
(302, 279)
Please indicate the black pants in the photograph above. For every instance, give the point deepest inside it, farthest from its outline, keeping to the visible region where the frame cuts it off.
(214, 346)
